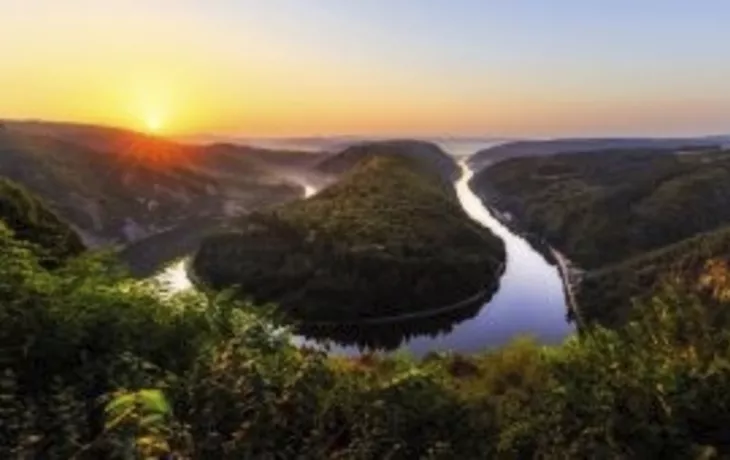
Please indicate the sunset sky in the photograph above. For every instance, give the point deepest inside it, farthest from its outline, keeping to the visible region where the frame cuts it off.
(371, 67)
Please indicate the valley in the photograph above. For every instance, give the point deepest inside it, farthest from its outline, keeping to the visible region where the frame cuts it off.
(76, 327)
(562, 200)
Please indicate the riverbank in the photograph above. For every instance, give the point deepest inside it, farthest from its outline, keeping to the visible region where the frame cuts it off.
(572, 278)
(570, 275)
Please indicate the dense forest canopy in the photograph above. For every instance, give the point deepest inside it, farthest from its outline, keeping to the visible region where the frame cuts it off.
(389, 238)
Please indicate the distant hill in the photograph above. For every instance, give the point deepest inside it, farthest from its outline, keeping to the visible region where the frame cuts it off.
(32, 221)
(388, 238)
(126, 142)
(550, 147)
(118, 186)
(426, 155)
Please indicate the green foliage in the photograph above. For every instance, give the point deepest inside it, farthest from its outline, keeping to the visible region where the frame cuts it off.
(389, 238)
(140, 420)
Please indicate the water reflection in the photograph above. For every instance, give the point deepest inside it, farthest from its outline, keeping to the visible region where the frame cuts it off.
(391, 335)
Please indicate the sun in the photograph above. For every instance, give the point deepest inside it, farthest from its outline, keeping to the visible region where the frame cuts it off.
(154, 123)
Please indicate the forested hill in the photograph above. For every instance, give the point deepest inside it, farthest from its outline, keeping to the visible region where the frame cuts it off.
(631, 218)
(33, 221)
(426, 155)
(118, 186)
(518, 149)
(389, 238)
(601, 208)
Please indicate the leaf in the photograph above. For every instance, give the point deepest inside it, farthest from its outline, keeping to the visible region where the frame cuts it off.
(120, 403)
(155, 401)
(151, 420)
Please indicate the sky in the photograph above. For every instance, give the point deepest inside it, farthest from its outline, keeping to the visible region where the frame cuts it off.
(518, 68)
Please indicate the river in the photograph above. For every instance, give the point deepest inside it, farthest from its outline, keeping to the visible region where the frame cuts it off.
(530, 300)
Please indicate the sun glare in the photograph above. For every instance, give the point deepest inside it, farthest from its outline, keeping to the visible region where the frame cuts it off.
(154, 124)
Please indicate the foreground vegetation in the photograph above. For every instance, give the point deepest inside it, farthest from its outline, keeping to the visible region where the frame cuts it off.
(389, 238)
(95, 365)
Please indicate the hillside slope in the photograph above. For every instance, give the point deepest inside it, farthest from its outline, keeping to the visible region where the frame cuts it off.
(605, 296)
(389, 238)
(600, 209)
(117, 186)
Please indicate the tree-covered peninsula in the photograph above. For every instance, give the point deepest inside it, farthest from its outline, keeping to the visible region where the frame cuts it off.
(389, 238)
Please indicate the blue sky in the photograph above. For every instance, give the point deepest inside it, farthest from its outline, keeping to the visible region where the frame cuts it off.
(375, 66)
